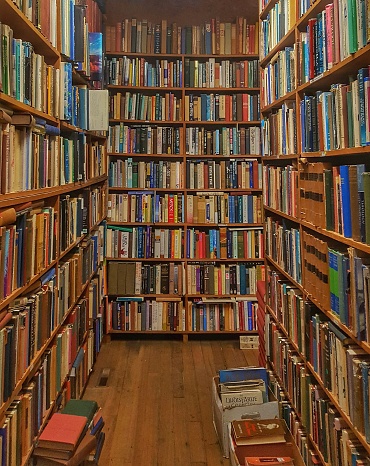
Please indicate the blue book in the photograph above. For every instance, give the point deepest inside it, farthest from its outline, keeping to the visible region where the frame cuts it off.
(361, 199)
(243, 279)
(346, 201)
(208, 39)
(244, 373)
(303, 126)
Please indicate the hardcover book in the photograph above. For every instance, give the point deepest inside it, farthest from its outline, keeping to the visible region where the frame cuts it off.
(62, 432)
(256, 432)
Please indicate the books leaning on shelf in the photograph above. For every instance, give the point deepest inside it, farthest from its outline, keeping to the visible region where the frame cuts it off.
(257, 432)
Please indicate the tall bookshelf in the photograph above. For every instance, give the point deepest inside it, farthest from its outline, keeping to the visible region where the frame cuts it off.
(183, 182)
(52, 203)
(314, 114)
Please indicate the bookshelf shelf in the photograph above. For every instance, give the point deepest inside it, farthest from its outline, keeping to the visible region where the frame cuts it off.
(50, 224)
(282, 271)
(337, 237)
(288, 39)
(277, 103)
(314, 328)
(281, 214)
(217, 135)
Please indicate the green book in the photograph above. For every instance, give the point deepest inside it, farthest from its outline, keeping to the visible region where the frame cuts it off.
(352, 26)
(85, 408)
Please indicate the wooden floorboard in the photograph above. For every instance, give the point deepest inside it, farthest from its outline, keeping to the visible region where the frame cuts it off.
(157, 402)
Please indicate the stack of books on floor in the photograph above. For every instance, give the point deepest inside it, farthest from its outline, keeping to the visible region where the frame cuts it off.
(72, 437)
(257, 442)
(241, 393)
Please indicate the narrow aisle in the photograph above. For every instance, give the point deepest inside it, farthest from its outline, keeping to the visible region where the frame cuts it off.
(157, 400)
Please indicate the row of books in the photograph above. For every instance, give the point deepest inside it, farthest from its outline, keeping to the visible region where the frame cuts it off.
(30, 80)
(43, 158)
(143, 72)
(73, 272)
(224, 243)
(335, 198)
(340, 364)
(217, 207)
(213, 207)
(222, 107)
(132, 314)
(278, 77)
(28, 329)
(28, 245)
(144, 242)
(73, 219)
(341, 276)
(228, 174)
(338, 118)
(281, 189)
(237, 316)
(289, 307)
(278, 22)
(327, 428)
(226, 141)
(331, 36)
(144, 139)
(223, 279)
(214, 73)
(129, 173)
(138, 106)
(278, 131)
(135, 278)
(213, 37)
(26, 155)
(283, 246)
(146, 207)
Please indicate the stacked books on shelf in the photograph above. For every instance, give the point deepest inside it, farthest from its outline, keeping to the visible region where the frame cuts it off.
(72, 436)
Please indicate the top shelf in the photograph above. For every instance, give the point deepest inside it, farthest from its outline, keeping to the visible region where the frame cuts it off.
(23, 28)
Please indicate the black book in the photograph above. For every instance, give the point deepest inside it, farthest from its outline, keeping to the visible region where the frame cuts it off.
(79, 34)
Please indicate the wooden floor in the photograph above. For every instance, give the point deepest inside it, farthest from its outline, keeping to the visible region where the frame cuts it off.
(157, 402)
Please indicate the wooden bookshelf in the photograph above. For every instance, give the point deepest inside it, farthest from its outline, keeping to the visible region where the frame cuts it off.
(191, 157)
(303, 316)
(51, 230)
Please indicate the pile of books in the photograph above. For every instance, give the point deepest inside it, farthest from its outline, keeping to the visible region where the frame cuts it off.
(243, 387)
(73, 436)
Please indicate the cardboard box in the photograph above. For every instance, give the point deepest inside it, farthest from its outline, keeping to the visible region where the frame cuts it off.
(222, 417)
(238, 453)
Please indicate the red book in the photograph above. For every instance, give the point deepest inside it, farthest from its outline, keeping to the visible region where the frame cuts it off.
(171, 209)
(63, 432)
(311, 51)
